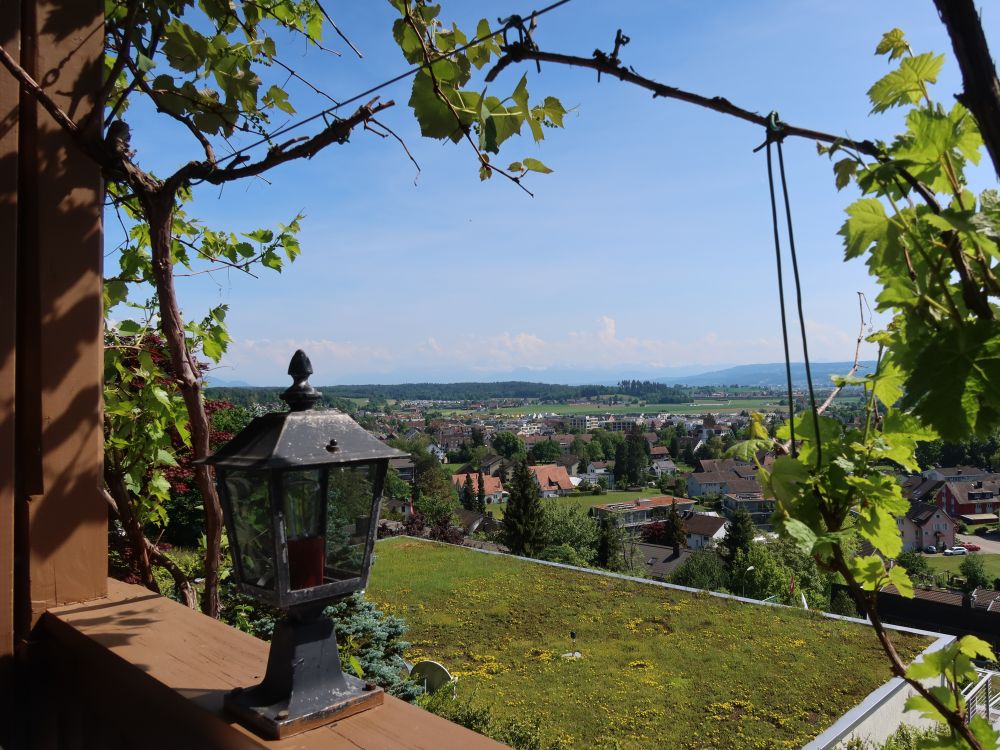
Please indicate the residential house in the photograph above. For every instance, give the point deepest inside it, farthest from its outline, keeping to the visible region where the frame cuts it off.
(924, 525)
(661, 562)
(569, 462)
(581, 422)
(920, 489)
(597, 470)
(438, 452)
(955, 473)
(632, 515)
(404, 467)
(760, 509)
(553, 480)
(664, 466)
(703, 530)
(492, 486)
(973, 501)
(659, 453)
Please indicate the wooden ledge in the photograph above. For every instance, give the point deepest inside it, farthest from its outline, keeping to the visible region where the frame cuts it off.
(166, 668)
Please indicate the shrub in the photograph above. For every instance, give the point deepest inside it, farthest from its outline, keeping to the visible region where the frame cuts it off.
(520, 734)
(843, 604)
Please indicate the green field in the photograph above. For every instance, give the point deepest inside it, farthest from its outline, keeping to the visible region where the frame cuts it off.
(729, 406)
(660, 668)
(584, 501)
(951, 564)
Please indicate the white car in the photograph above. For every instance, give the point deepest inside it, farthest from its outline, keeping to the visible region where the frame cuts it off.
(956, 551)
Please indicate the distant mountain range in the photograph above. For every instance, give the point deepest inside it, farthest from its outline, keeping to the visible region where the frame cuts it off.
(769, 375)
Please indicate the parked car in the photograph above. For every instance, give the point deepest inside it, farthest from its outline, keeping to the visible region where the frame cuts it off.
(930, 549)
(971, 546)
(956, 551)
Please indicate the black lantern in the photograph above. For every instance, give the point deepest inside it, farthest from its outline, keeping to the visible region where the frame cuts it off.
(301, 492)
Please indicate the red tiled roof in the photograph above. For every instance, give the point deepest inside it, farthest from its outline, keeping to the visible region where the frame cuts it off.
(491, 485)
(552, 477)
(660, 501)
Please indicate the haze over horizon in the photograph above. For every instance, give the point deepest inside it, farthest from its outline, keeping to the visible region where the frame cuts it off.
(646, 253)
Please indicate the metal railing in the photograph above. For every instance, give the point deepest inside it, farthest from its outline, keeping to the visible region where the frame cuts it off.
(982, 698)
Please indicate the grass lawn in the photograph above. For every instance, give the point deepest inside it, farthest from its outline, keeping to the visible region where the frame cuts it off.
(584, 501)
(661, 668)
(951, 564)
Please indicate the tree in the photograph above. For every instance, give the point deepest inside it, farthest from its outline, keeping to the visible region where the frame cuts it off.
(396, 487)
(480, 493)
(702, 570)
(753, 572)
(974, 573)
(581, 449)
(916, 565)
(507, 444)
(468, 494)
(740, 533)
(545, 451)
(478, 437)
(568, 525)
(434, 495)
(523, 521)
(203, 67)
(669, 532)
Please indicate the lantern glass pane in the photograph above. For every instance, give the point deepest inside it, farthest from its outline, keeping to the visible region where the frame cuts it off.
(303, 498)
(350, 495)
(251, 517)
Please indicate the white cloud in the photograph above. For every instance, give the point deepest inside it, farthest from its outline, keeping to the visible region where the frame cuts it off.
(597, 348)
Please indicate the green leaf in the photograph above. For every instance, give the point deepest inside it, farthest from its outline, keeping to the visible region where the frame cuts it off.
(867, 225)
(893, 43)
(888, 383)
(746, 450)
(278, 97)
(845, 170)
(868, 571)
(787, 476)
(906, 84)
(975, 648)
(355, 666)
(533, 165)
(954, 383)
(802, 535)
(899, 578)
(165, 457)
(185, 48)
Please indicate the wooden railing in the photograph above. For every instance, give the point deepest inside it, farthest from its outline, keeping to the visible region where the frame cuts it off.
(137, 670)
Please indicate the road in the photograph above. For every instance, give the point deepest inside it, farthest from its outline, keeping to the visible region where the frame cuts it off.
(990, 545)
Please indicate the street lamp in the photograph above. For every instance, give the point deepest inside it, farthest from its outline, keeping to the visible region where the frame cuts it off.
(745, 572)
(300, 491)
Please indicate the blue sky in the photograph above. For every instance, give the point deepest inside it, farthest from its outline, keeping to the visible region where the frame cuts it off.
(646, 253)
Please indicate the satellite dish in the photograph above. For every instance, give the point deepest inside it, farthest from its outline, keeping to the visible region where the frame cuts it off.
(431, 675)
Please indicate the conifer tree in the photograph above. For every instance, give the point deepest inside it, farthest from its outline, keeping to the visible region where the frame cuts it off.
(675, 533)
(739, 536)
(480, 493)
(468, 494)
(523, 528)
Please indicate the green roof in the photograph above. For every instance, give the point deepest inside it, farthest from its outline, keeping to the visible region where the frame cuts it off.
(661, 667)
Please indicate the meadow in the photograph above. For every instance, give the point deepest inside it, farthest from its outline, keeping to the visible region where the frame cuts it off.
(660, 667)
(951, 564)
(727, 406)
(585, 501)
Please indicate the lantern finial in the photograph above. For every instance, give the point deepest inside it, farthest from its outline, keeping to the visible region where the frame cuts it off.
(300, 395)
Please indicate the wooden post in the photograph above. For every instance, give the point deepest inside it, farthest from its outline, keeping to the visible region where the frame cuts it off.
(53, 545)
(10, 39)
